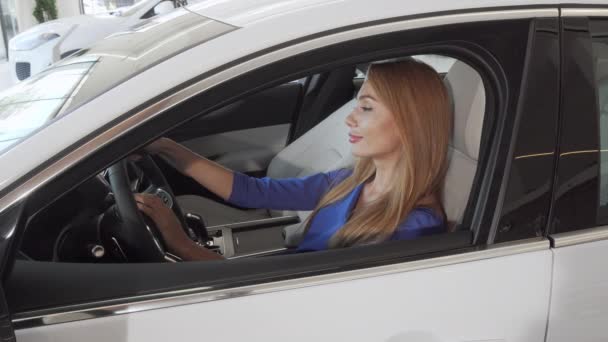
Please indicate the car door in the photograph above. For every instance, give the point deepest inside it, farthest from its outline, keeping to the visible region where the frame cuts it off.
(579, 217)
(459, 286)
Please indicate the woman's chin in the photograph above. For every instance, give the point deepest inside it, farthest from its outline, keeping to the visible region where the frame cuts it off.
(358, 154)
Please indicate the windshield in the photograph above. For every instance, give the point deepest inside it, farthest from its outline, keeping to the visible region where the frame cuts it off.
(59, 90)
(30, 104)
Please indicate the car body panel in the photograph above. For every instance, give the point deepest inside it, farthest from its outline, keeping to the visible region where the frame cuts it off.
(474, 301)
(343, 12)
(578, 297)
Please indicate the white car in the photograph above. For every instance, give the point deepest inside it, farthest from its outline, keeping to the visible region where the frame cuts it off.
(33, 50)
(263, 88)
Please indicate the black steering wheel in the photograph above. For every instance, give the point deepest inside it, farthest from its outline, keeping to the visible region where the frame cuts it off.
(132, 234)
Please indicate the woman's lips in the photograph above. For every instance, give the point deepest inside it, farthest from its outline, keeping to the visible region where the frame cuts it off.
(353, 139)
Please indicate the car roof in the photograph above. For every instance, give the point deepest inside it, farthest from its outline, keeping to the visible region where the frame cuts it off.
(244, 12)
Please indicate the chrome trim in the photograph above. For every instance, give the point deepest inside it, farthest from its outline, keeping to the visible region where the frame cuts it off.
(172, 257)
(205, 294)
(579, 236)
(272, 251)
(585, 12)
(157, 108)
(269, 222)
(165, 197)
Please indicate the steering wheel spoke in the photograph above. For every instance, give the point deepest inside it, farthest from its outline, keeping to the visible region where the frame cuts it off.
(139, 237)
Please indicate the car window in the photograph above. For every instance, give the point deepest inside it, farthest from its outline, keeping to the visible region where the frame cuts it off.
(29, 105)
(115, 59)
(599, 29)
(118, 8)
(258, 148)
(581, 190)
(133, 9)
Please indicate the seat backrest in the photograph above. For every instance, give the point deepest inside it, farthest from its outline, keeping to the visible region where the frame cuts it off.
(323, 148)
(468, 99)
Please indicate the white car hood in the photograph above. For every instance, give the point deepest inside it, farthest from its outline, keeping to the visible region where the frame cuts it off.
(64, 25)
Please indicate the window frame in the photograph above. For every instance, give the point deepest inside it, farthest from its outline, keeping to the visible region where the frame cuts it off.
(602, 210)
(578, 153)
(501, 82)
(529, 189)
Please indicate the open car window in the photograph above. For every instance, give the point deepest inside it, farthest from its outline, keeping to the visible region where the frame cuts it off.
(84, 231)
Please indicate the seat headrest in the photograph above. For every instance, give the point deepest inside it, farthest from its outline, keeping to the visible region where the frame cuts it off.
(468, 100)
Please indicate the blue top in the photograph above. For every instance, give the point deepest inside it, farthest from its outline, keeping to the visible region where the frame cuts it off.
(305, 193)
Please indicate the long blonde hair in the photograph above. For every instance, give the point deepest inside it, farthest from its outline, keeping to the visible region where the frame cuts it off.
(418, 99)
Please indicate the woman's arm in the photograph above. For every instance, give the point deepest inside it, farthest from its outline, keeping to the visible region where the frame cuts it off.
(242, 190)
(283, 194)
(211, 175)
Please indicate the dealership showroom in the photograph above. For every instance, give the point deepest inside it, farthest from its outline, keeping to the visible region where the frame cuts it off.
(304, 170)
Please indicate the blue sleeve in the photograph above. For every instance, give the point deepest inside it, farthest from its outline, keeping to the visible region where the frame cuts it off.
(283, 194)
(420, 222)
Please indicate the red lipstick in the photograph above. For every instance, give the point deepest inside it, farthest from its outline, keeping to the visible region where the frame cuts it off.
(353, 139)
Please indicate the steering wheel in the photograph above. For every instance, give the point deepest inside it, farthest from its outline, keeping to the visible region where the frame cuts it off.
(133, 234)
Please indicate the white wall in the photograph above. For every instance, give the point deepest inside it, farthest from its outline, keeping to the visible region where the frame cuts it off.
(26, 20)
(68, 8)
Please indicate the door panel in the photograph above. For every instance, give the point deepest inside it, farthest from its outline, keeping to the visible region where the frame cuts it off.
(498, 299)
(579, 298)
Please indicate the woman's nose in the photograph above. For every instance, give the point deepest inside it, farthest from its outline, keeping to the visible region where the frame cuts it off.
(350, 120)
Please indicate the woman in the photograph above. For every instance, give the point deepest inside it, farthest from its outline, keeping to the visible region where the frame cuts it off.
(399, 133)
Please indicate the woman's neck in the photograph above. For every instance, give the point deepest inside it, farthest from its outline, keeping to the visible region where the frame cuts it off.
(383, 178)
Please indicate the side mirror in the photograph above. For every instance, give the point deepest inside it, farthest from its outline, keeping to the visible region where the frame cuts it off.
(164, 7)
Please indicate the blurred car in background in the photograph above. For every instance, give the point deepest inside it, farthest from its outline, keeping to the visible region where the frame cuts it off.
(35, 49)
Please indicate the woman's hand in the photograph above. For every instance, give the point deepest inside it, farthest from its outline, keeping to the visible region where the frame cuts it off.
(173, 234)
(164, 218)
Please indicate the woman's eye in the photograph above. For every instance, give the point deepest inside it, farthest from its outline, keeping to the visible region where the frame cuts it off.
(366, 109)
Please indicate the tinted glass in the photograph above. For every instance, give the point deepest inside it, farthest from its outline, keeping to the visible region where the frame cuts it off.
(575, 191)
(31, 104)
(528, 197)
(599, 31)
(581, 192)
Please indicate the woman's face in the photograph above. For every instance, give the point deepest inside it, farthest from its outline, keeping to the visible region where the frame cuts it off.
(373, 131)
